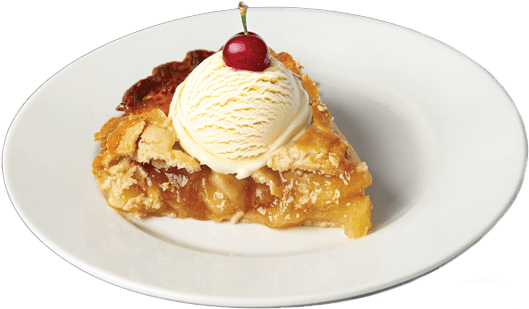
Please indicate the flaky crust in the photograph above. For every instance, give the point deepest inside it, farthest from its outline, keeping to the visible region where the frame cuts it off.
(322, 148)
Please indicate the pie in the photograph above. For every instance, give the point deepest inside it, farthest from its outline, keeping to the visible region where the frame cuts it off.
(317, 180)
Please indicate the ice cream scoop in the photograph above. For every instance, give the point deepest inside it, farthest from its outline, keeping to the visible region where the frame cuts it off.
(232, 120)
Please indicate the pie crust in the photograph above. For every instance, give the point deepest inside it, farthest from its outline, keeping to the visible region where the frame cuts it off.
(318, 180)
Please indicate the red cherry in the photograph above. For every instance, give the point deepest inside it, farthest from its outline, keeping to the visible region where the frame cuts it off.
(246, 52)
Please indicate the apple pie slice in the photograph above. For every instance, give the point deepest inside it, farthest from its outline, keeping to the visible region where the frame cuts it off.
(318, 180)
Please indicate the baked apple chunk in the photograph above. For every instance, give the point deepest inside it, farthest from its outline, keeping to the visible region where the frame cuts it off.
(317, 180)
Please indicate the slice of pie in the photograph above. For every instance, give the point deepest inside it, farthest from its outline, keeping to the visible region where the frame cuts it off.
(318, 180)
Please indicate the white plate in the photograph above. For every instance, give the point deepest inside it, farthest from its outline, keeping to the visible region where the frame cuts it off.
(443, 140)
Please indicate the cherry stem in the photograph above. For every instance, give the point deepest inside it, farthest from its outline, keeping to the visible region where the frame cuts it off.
(243, 8)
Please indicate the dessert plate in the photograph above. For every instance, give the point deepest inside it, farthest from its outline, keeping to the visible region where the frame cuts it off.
(443, 140)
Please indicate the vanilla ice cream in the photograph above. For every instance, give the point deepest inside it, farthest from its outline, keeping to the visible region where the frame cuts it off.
(232, 120)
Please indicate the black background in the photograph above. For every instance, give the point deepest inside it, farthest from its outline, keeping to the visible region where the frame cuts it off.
(42, 39)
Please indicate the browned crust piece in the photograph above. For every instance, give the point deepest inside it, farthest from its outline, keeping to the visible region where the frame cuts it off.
(156, 91)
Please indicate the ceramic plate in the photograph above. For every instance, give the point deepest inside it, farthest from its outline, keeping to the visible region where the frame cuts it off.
(443, 141)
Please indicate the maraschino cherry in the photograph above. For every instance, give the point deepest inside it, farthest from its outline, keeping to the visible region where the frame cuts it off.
(246, 50)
